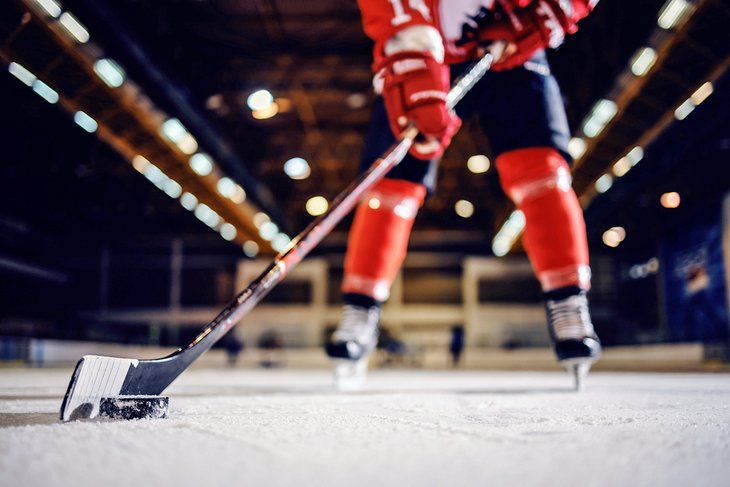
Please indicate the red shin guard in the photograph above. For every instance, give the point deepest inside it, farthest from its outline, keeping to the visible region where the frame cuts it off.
(538, 181)
(379, 235)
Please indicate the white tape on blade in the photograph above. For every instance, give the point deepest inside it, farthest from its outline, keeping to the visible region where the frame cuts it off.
(99, 377)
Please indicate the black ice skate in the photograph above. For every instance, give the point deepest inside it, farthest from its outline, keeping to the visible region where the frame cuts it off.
(576, 344)
(352, 344)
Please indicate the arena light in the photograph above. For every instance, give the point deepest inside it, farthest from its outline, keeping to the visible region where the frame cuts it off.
(602, 113)
(140, 163)
(702, 93)
(207, 215)
(265, 113)
(635, 155)
(478, 164)
(188, 145)
(239, 195)
(684, 109)
(670, 200)
(174, 130)
(189, 201)
(228, 231)
(576, 147)
(280, 242)
(260, 100)
(51, 7)
(250, 248)
(297, 168)
(176, 133)
(614, 236)
(672, 13)
(508, 234)
(214, 102)
(201, 164)
(228, 188)
(374, 203)
(110, 72)
(72, 25)
(20, 72)
(154, 175)
(641, 271)
(268, 231)
(316, 205)
(84, 121)
(355, 101)
(642, 61)
(45, 91)
(501, 246)
(464, 208)
(622, 166)
(172, 188)
(213, 220)
(260, 218)
(604, 183)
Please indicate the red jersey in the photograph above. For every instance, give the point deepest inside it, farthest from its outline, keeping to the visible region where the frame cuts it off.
(452, 18)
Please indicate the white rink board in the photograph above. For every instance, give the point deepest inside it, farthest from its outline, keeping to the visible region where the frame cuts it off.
(407, 428)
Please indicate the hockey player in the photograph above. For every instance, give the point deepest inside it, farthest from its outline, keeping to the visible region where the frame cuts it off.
(419, 46)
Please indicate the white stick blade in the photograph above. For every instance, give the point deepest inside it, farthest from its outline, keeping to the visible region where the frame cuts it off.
(95, 377)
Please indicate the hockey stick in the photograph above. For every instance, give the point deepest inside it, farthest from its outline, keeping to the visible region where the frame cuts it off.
(97, 377)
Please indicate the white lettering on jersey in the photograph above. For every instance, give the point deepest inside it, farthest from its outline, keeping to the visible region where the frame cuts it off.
(400, 15)
(421, 7)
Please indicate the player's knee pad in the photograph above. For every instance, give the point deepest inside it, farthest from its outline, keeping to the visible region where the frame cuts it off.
(538, 181)
(379, 235)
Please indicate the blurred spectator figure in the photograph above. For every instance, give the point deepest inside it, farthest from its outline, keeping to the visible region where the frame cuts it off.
(234, 346)
(394, 350)
(271, 345)
(457, 344)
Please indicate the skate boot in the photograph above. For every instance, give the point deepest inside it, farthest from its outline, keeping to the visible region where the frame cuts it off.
(352, 344)
(576, 344)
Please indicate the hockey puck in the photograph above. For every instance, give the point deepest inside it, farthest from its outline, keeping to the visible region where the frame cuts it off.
(134, 407)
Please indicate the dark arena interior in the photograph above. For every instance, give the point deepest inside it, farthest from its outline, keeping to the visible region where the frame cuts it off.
(160, 154)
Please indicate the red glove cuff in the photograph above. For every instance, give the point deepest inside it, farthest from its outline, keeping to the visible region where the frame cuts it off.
(415, 86)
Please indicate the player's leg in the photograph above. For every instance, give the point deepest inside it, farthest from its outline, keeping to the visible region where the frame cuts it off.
(530, 136)
(376, 247)
(538, 181)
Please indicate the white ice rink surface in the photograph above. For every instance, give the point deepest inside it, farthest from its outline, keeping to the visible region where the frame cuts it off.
(406, 428)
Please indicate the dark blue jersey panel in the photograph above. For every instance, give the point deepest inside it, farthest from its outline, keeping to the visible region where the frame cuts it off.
(517, 109)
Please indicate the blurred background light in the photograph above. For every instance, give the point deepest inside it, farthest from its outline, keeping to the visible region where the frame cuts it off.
(316, 205)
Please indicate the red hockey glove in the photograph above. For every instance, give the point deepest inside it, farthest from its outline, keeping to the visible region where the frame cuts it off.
(537, 25)
(414, 90)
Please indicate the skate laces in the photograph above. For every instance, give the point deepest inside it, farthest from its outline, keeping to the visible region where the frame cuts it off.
(570, 318)
(357, 324)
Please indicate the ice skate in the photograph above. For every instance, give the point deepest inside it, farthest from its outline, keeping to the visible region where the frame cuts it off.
(352, 344)
(575, 341)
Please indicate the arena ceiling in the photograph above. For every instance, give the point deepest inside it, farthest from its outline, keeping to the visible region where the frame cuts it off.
(197, 61)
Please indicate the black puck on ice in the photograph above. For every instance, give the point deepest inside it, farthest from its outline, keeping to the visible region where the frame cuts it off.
(134, 407)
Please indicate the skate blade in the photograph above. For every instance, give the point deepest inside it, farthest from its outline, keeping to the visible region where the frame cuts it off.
(350, 374)
(578, 370)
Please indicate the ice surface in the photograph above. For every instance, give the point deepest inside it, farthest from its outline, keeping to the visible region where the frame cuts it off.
(406, 428)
